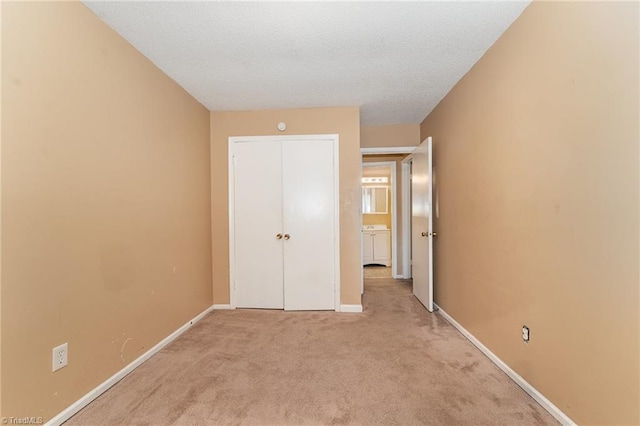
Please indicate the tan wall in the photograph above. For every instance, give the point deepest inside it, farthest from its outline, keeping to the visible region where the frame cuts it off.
(105, 204)
(344, 121)
(392, 135)
(398, 178)
(536, 155)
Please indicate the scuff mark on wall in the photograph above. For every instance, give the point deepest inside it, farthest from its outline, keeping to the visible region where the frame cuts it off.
(122, 348)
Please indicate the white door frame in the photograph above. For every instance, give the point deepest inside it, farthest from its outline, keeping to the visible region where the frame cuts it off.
(394, 217)
(406, 217)
(390, 150)
(334, 139)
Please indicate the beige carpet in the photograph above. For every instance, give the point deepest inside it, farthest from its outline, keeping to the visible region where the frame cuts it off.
(395, 364)
(374, 271)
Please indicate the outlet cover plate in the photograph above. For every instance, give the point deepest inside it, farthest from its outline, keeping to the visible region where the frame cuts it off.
(60, 357)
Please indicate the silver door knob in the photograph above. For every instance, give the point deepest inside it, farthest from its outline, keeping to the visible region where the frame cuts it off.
(278, 236)
(287, 236)
(435, 234)
(424, 234)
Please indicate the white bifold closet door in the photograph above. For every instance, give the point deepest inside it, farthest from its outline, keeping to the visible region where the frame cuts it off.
(257, 220)
(284, 225)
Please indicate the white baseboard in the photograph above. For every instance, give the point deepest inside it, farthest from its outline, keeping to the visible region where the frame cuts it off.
(526, 386)
(218, 307)
(350, 308)
(85, 400)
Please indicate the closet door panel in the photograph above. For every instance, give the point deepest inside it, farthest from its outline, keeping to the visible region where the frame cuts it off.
(309, 209)
(257, 221)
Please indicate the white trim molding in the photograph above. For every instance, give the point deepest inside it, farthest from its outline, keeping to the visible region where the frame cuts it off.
(526, 386)
(351, 308)
(218, 307)
(388, 150)
(360, 223)
(406, 218)
(103, 387)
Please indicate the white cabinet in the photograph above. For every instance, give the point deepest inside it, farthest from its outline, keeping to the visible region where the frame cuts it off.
(376, 245)
(283, 224)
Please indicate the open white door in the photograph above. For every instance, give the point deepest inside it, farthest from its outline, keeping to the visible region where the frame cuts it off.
(422, 223)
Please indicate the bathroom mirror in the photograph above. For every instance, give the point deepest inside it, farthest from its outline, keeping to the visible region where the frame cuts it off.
(374, 199)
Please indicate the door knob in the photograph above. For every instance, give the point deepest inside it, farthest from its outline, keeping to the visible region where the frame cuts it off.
(278, 236)
(287, 236)
(424, 234)
(435, 234)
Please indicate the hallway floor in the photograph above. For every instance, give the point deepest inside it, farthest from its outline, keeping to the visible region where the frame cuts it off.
(395, 364)
(376, 271)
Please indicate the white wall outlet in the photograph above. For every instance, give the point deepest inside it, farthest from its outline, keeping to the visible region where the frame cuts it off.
(60, 357)
(525, 334)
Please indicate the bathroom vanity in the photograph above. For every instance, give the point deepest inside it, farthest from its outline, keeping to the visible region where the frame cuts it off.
(376, 245)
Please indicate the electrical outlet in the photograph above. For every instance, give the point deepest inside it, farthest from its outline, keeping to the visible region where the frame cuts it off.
(60, 356)
(525, 334)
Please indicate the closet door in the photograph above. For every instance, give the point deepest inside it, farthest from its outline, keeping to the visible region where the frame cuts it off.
(309, 220)
(257, 207)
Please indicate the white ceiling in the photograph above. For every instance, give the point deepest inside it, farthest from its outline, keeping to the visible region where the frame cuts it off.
(396, 60)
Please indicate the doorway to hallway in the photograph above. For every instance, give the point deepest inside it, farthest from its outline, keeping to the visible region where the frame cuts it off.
(379, 219)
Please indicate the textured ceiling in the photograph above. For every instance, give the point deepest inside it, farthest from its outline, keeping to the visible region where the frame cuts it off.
(396, 60)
